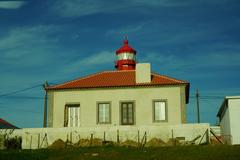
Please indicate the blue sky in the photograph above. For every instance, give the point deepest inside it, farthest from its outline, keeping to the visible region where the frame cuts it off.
(59, 40)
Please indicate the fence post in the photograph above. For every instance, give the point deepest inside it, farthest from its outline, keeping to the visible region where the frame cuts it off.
(138, 137)
(78, 139)
(104, 138)
(145, 138)
(70, 138)
(203, 136)
(31, 142)
(118, 137)
(91, 139)
(38, 140)
(207, 137)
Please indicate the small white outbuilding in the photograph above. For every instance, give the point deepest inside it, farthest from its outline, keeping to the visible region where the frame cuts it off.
(229, 118)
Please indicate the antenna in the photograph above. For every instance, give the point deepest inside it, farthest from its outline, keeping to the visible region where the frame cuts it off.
(126, 40)
(126, 37)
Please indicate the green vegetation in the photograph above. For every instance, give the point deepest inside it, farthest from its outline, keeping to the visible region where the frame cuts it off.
(207, 152)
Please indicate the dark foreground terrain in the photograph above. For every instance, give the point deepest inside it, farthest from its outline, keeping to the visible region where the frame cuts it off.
(206, 152)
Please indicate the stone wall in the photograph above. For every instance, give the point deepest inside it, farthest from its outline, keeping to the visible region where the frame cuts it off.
(34, 138)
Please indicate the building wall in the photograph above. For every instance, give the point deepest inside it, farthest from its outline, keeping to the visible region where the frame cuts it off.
(183, 103)
(234, 109)
(143, 98)
(225, 127)
(50, 108)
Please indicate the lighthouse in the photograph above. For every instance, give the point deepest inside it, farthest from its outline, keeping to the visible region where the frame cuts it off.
(126, 57)
(118, 98)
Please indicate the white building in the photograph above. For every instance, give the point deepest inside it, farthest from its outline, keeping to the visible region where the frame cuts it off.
(229, 117)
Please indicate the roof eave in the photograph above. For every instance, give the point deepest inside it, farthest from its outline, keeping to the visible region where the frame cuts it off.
(125, 86)
(221, 109)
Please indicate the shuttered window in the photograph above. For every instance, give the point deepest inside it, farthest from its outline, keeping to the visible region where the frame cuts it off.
(104, 113)
(159, 111)
(127, 113)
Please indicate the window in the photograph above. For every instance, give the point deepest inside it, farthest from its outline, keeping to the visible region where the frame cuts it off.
(159, 111)
(127, 113)
(125, 56)
(103, 112)
(71, 115)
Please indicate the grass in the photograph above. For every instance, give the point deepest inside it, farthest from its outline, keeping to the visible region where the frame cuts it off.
(207, 152)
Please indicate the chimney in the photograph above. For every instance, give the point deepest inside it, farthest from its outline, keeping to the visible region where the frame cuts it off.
(143, 73)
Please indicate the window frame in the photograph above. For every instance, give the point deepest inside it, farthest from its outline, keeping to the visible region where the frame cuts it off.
(166, 110)
(133, 112)
(110, 112)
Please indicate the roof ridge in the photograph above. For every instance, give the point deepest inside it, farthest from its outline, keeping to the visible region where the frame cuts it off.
(119, 71)
(170, 78)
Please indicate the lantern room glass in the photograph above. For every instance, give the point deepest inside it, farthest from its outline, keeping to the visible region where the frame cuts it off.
(126, 56)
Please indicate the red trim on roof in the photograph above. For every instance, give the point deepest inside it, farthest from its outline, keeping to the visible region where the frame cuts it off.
(115, 79)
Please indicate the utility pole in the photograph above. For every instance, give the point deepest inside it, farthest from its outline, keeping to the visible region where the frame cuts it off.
(45, 106)
(198, 110)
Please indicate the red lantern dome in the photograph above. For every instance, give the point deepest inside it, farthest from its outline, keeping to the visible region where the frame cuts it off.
(126, 57)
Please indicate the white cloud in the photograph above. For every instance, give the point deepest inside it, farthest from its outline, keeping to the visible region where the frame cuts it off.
(20, 35)
(101, 58)
(125, 30)
(177, 3)
(11, 4)
(98, 59)
(29, 56)
(163, 3)
(75, 8)
(194, 61)
(27, 45)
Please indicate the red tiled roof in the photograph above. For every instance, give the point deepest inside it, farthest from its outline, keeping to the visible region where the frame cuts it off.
(124, 78)
(6, 125)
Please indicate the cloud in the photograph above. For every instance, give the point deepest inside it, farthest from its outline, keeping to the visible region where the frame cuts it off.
(194, 62)
(178, 3)
(27, 46)
(130, 29)
(11, 4)
(98, 59)
(29, 55)
(163, 3)
(76, 8)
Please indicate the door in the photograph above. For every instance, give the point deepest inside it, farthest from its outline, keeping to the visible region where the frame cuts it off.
(72, 116)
